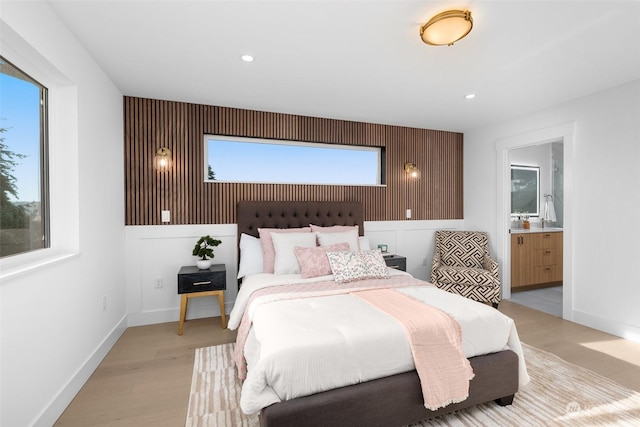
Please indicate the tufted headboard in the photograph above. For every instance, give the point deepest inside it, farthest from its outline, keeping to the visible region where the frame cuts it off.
(257, 214)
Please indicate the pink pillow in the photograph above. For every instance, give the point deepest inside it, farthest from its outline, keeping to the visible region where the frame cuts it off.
(314, 262)
(333, 229)
(268, 251)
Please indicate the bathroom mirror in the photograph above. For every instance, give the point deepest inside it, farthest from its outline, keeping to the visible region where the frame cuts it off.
(525, 190)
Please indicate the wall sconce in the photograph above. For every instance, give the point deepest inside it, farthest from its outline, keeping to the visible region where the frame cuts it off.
(162, 159)
(446, 28)
(412, 170)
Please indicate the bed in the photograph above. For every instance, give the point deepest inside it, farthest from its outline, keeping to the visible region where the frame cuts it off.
(388, 400)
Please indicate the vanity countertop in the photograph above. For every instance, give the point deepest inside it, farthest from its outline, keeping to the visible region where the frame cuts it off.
(536, 230)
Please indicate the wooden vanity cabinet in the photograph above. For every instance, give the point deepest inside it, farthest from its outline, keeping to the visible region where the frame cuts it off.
(521, 253)
(536, 259)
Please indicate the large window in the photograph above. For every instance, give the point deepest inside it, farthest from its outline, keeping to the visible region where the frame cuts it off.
(24, 211)
(291, 162)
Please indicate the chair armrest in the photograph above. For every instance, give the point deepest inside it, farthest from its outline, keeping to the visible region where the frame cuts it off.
(491, 265)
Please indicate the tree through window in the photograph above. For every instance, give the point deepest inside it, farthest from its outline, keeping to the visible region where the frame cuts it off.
(23, 162)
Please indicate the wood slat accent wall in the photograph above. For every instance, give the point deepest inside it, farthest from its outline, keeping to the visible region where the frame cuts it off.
(151, 124)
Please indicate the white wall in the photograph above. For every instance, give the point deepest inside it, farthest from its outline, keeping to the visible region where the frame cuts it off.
(602, 192)
(159, 251)
(53, 330)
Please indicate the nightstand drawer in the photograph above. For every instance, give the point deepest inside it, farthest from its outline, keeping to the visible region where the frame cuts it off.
(191, 279)
(396, 261)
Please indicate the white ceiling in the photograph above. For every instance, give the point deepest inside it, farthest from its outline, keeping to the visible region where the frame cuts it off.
(362, 60)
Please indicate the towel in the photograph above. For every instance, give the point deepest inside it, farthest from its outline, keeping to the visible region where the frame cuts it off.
(549, 210)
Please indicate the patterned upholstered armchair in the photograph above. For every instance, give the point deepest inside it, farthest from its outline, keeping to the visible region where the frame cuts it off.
(462, 265)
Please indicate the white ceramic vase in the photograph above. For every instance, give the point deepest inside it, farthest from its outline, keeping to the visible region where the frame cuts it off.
(203, 264)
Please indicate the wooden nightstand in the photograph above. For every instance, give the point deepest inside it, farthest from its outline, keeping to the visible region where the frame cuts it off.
(396, 261)
(194, 283)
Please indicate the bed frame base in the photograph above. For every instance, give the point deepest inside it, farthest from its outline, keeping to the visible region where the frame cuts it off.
(391, 401)
(395, 400)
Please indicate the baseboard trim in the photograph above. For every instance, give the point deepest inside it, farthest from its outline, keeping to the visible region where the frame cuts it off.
(535, 286)
(195, 311)
(619, 329)
(59, 403)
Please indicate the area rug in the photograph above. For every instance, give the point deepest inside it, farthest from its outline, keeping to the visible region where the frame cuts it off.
(560, 394)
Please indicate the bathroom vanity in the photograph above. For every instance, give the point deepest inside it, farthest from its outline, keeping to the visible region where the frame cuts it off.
(536, 258)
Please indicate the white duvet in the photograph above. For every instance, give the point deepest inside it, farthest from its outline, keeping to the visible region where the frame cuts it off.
(304, 346)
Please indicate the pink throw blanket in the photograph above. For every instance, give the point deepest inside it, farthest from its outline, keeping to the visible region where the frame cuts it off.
(436, 343)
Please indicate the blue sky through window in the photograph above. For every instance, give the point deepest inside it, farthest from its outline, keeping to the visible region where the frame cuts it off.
(293, 163)
(20, 116)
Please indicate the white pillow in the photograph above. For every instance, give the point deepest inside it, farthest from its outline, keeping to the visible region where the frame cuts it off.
(250, 256)
(363, 241)
(286, 261)
(351, 237)
(268, 253)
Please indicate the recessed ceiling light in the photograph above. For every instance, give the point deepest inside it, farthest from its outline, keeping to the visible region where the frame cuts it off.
(470, 96)
(247, 58)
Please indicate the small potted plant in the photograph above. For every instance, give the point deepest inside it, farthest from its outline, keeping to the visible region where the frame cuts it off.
(204, 251)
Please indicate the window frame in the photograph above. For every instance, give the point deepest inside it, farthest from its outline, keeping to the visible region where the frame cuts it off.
(63, 167)
(43, 155)
(379, 150)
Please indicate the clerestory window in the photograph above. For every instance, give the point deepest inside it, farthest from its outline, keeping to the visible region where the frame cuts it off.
(230, 159)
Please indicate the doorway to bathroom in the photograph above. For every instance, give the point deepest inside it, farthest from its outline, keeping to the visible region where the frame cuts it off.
(543, 287)
(537, 207)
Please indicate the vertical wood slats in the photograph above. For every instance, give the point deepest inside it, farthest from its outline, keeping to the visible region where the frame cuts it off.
(152, 124)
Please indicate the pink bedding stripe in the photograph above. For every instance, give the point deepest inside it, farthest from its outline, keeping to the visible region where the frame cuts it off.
(308, 290)
(436, 343)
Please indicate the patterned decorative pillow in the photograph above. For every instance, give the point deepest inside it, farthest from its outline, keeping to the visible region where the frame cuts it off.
(268, 252)
(357, 265)
(314, 261)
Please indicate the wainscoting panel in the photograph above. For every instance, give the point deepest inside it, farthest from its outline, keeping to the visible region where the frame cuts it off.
(151, 124)
(158, 252)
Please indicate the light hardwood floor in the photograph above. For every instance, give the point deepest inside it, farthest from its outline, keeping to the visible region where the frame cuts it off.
(146, 377)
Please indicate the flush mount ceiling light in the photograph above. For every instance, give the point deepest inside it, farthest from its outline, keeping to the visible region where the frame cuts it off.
(446, 28)
(247, 58)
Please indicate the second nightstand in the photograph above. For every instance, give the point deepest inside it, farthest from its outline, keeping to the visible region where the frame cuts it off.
(396, 261)
(194, 283)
